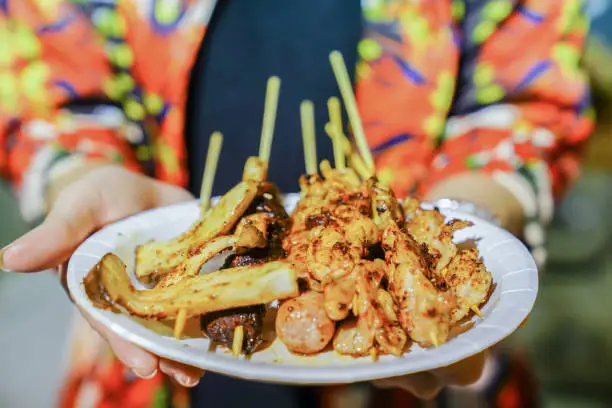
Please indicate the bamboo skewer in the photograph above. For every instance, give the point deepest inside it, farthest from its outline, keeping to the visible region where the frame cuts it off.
(265, 148)
(354, 159)
(374, 354)
(237, 341)
(210, 169)
(179, 323)
(269, 119)
(434, 339)
(344, 83)
(308, 136)
(477, 311)
(335, 118)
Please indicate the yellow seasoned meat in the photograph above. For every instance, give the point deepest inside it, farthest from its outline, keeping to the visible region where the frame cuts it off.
(388, 333)
(424, 311)
(374, 307)
(429, 227)
(350, 341)
(330, 255)
(339, 296)
(468, 278)
(386, 210)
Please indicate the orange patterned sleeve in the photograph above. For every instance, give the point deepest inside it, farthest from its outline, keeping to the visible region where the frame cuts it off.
(522, 111)
(52, 112)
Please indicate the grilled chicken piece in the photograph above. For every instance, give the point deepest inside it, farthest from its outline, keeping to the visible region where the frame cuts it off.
(377, 322)
(339, 296)
(389, 335)
(350, 340)
(359, 229)
(424, 311)
(296, 248)
(468, 279)
(377, 319)
(330, 255)
(302, 324)
(320, 196)
(386, 210)
(429, 227)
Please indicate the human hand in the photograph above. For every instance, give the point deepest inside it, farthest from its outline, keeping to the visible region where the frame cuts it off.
(101, 196)
(428, 384)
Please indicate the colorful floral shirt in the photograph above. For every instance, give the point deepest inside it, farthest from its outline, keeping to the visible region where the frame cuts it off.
(443, 87)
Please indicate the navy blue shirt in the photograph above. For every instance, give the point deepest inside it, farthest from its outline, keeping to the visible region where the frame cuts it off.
(246, 42)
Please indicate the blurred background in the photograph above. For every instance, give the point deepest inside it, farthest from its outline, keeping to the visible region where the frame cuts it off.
(568, 338)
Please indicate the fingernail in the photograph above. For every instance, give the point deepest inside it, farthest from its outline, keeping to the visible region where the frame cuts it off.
(3, 252)
(145, 376)
(186, 381)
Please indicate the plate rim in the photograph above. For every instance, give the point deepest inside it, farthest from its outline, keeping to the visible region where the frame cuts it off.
(296, 373)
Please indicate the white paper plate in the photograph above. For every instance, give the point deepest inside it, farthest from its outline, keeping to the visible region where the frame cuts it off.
(514, 273)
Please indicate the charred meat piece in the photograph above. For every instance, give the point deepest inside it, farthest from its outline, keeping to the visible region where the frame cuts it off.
(219, 326)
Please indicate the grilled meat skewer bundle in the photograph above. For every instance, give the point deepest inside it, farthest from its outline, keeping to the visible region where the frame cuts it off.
(220, 327)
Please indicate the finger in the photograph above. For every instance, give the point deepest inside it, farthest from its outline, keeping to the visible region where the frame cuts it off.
(186, 376)
(140, 361)
(464, 372)
(422, 385)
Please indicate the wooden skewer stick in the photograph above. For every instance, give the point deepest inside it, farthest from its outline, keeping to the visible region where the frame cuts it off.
(476, 310)
(238, 340)
(374, 354)
(354, 159)
(434, 339)
(265, 147)
(269, 118)
(179, 323)
(344, 83)
(335, 117)
(356, 163)
(345, 144)
(308, 136)
(210, 169)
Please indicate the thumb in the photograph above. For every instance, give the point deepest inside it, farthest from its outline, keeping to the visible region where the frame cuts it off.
(72, 219)
(82, 208)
